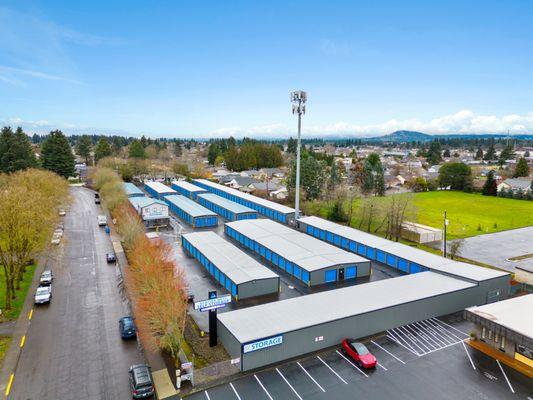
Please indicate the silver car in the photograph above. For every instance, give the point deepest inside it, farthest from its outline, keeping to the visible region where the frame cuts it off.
(43, 294)
(46, 278)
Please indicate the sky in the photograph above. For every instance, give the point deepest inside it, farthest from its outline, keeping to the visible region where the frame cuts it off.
(219, 68)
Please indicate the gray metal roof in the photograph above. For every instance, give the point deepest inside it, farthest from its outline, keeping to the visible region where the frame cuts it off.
(297, 247)
(189, 186)
(421, 257)
(190, 207)
(258, 200)
(233, 262)
(278, 317)
(139, 202)
(227, 204)
(131, 189)
(159, 187)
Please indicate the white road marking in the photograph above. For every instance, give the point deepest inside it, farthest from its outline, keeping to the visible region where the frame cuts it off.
(332, 370)
(309, 375)
(393, 339)
(505, 376)
(379, 365)
(207, 395)
(261, 384)
(413, 339)
(458, 330)
(420, 335)
(442, 329)
(351, 363)
(287, 382)
(235, 391)
(388, 352)
(407, 346)
(438, 339)
(470, 358)
(444, 336)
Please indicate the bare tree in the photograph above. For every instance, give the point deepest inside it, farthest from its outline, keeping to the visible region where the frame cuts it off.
(399, 209)
(455, 248)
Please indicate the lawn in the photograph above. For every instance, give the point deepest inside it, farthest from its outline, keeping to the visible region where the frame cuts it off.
(469, 214)
(18, 302)
(4, 344)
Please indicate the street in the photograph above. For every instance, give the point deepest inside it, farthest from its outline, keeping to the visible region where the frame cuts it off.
(73, 349)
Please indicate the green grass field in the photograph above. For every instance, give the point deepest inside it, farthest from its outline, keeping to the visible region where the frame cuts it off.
(20, 296)
(470, 214)
(4, 344)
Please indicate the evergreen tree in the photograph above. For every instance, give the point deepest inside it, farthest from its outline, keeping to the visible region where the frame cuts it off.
(522, 168)
(312, 176)
(213, 152)
(84, 146)
(457, 176)
(136, 149)
(479, 154)
(373, 176)
(292, 145)
(102, 149)
(446, 153)
(506, 154)
(56, 154)
(490, 155)
(16, 152)
(334, 177)
(490, 188)
(433, 155)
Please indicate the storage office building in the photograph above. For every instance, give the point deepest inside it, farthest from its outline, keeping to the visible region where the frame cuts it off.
(132, 190)
(310, 260)
(269, 209)
(158, 190)
(187, 189)
(189, 211)
(226, 208)
(273, 332)
(153, 212)
(405, 258)
(240, 274)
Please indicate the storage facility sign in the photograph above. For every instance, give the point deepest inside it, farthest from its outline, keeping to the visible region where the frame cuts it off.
(213, 304)
(262, 344)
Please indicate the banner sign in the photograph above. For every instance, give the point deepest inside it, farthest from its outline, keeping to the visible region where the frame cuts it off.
(212, 304)
(262, 344)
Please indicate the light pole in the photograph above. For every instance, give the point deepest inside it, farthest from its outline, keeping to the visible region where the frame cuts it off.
(298, 99)
(445, 225)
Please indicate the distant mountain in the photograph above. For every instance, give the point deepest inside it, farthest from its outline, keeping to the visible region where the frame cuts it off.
(404, 136)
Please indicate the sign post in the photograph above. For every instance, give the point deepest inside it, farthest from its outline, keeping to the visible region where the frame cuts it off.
(213, 339)
(212, 303)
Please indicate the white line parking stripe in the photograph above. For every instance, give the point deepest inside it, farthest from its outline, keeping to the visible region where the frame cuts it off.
(415, 338)
(507, 379)
(458, 330)
(438, 339)
(442, 328)
(261, 384)
(351, 363)
(446, 339)
(207, 395)
(332, 370)
(235, 391)
(381, 366)
(407, 336)
(470, 358)
(287, 382)
(393, 339)
(309, 375)
(422, 335)
(398, 337)
(388, 352)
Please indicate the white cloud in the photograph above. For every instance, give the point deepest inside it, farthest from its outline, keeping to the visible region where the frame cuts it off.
(34, 74)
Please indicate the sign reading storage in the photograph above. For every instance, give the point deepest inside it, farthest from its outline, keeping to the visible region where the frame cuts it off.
(262, 344)
(212, 304)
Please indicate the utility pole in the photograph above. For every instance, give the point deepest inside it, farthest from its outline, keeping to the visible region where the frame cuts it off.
(445, 225)
(298, 99)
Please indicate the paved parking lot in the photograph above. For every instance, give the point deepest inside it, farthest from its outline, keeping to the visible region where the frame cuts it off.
(427, 359)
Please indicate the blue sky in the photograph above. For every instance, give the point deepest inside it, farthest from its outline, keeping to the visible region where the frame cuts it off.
(214, 68)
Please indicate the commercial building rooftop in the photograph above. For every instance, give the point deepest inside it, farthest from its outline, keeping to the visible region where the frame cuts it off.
(132, 190)
(270, 319)
(233, 262)
(308, 252)
(515, 314)
(159, 187)
(189, 206)
(225, 203)
(140, 202)
(188, 186)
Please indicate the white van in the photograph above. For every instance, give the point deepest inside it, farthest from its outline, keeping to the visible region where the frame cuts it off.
(102, 220)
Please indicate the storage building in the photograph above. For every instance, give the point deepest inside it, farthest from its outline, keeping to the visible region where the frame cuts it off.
(132, 190)
(240, 274)
(405, 258)
(310, 260)
(272, 332)
(153, 212)
(187, 189)
(269, 209)
(158, 190)
(419, 233)
(226, 208)
(193, 213)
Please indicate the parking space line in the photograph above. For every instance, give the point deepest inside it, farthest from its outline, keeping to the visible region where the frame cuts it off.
(235, 391)
(351, 363)
(468, 354)
(388, 352)
(261, 384)
(379, 365)
(405, 337)
(287, 382)
(458, 330)
(207, 395)
(414, 339)
(505, 376)
(419, 335)
(444, 330)
(332, 370)
(432, 333)
(394, 340)
(407, 346)
(444, 337)
(309, 375)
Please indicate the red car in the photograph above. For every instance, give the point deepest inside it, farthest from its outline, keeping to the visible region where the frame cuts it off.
(359, 353)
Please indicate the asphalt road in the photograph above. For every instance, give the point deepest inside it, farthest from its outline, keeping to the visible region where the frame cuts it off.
(73, 348)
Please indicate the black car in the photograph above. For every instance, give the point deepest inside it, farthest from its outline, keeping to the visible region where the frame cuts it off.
(142, 386)
(127, 328)
(96, 198)
(111, 258)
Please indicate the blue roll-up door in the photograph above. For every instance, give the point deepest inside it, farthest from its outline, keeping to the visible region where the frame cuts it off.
(288, 267)
(350, 273)
(322, 234)
(371, 253)
(344, 243)
(391, 260)
(305, 276)
(297, 271)
(361, 249)
(228, 285)
(414, 268)
(402, 264)
(330, 276)
(234, 289)
(353, 246)
(329, 236)
(380, 256)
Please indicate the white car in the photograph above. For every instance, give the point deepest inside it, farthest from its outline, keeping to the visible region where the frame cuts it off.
(62, 212)
(55, 240)
(102, 220)
(58, 232)
(43, 294)
(46, 278)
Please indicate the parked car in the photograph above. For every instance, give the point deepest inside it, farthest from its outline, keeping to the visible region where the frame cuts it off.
(60, 226)
(141, 384)
(43, 294)
(58, 232)
(56, 240)
(96, 198)
(127, 328)
(190, 296)
(62, 212)
(358, 352)
(111, 258)
(102, 220)
(46, 278)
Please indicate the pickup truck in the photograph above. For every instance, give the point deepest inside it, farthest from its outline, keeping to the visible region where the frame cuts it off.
(102, 220)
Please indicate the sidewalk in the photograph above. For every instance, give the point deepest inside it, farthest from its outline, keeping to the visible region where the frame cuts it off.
(504, 358)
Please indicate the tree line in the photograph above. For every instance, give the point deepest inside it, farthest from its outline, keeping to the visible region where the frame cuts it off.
(245, 154)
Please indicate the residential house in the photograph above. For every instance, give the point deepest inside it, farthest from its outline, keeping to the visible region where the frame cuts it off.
(241, 182)
(516, 184)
